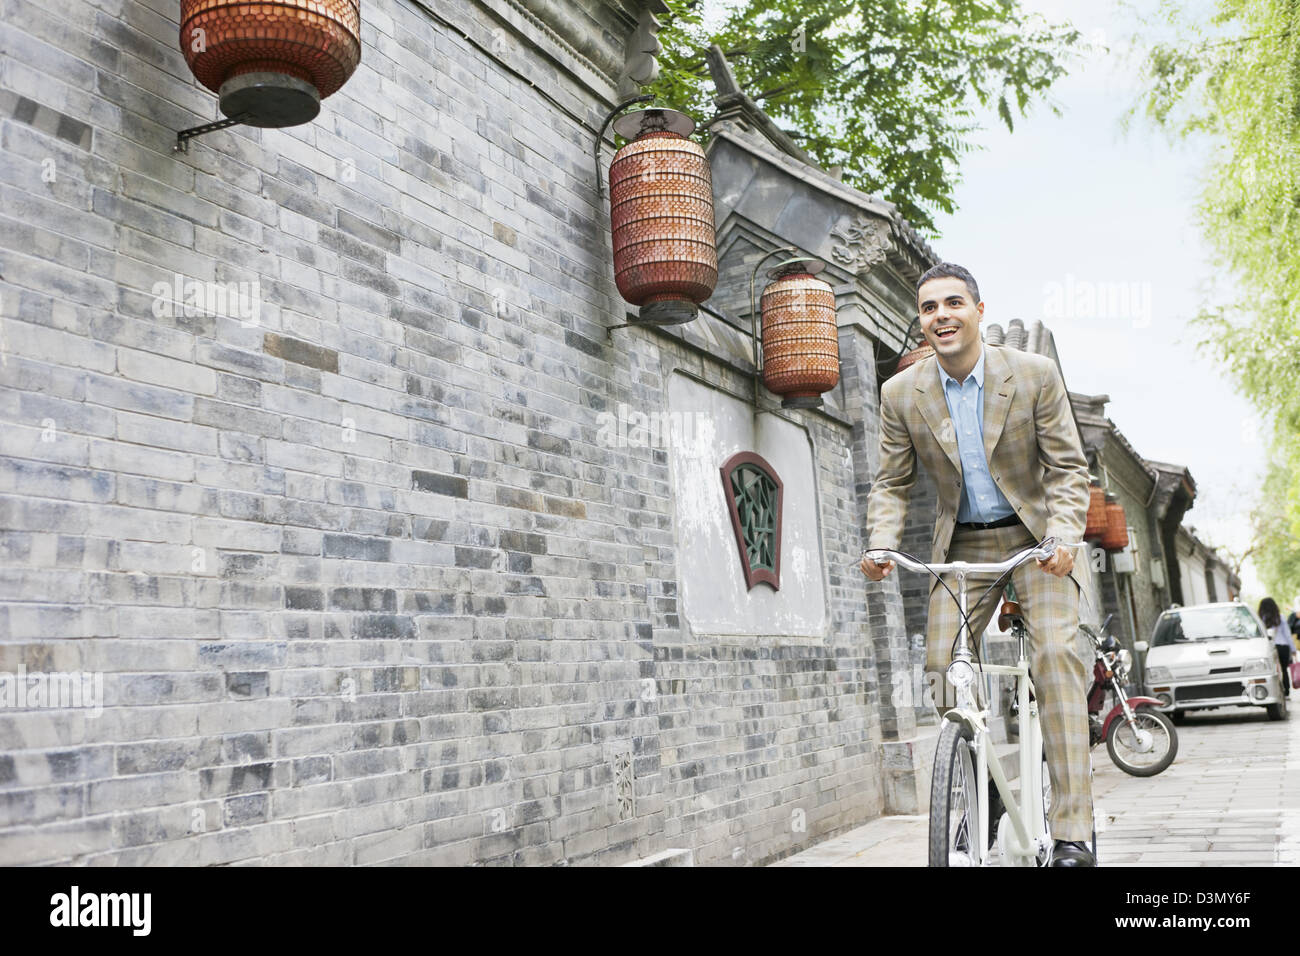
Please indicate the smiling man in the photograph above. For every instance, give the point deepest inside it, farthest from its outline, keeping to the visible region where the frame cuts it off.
(992, 427)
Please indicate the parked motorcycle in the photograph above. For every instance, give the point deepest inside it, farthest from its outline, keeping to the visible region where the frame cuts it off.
(1140, 739)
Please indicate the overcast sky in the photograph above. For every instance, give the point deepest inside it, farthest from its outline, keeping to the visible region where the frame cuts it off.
(1069, 207)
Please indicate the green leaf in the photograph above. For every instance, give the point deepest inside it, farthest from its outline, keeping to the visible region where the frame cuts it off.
(888, 89)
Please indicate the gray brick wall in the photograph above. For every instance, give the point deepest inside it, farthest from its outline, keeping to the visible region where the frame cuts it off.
(361, 582)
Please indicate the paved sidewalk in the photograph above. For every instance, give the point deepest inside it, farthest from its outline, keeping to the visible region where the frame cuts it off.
(889, 841)
(1231, 798)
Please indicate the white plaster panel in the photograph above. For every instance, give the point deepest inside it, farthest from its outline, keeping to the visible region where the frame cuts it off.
(712, 581)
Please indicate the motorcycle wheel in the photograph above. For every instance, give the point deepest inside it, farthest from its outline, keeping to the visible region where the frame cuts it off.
(953, 812)
(1121, 743)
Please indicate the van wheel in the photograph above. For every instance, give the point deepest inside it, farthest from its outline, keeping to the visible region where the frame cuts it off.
(1277, 711)
(1179, 717)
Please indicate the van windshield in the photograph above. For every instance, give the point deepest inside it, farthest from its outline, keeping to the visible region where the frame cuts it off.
(1205, 624)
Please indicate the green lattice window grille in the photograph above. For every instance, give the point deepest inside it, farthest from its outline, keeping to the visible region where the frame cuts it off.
(754, 490)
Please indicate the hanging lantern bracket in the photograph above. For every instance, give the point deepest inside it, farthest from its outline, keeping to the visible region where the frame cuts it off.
(184, 136)
(897, 356)
(609, 118)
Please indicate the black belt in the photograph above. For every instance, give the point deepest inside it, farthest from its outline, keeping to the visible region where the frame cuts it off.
(1006, 522)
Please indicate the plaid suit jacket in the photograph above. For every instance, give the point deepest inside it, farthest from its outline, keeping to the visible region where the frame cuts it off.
(1030, 442)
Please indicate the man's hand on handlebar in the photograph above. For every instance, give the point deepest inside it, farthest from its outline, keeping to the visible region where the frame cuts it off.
(1060, 563)
(874, 571)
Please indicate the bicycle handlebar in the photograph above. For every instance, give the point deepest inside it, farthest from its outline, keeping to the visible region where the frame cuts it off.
(1040, 551)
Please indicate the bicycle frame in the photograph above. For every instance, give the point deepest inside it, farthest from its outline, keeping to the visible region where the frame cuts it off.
(1030, 840)
(1029, 829)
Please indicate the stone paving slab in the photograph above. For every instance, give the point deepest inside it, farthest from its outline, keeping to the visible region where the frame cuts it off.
(889, 841)
(1231, 798)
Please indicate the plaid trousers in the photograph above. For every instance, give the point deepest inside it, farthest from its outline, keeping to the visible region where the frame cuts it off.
(1050, 607)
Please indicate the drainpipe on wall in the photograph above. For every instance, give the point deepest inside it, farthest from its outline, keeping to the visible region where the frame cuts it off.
(1153, 532)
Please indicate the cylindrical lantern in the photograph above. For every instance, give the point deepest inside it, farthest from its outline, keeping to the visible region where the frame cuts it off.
(1095, 526)
(661, 212)
(801, 346)
(271, 63)
(1115, 537)
(924, 350)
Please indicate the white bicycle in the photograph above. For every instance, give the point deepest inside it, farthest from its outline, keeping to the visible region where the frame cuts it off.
(965, 758)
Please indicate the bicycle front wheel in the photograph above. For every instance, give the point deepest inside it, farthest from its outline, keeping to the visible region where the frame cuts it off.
(954, 815)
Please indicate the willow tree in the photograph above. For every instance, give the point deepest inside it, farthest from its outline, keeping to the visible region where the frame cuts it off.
(1234, 77)
(1277, 547)
(888, 90)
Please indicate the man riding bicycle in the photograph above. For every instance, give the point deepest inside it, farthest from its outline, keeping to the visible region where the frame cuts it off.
(993, 428)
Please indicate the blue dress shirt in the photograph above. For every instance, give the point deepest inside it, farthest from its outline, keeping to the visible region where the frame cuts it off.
(981, 499)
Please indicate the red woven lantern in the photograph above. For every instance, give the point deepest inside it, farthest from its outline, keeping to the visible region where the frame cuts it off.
(924, 350)
(1115, 537)
(1095, 525)
(661, 213)
(801, 346)
(271, 63)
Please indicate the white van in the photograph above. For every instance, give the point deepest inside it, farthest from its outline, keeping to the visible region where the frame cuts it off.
(1213, 655)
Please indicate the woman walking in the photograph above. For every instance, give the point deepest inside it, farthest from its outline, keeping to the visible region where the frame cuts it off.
(1281, 634)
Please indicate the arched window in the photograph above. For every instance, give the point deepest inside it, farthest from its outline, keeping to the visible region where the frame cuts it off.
(753, 491)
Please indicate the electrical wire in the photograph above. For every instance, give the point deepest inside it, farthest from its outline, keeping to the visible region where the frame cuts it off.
(514, 71)
(998, 585)
(902, 348)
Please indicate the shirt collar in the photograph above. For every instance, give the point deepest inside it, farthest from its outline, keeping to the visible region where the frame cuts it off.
(976, 373)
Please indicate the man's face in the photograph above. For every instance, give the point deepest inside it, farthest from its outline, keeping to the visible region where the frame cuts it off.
(949, 319)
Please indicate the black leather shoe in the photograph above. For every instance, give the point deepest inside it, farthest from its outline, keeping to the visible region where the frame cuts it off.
(1072, 854)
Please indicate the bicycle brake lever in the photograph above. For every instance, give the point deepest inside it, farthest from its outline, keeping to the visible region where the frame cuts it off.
(1050, 544)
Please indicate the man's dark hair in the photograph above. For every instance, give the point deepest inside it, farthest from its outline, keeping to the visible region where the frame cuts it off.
(950, 270)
